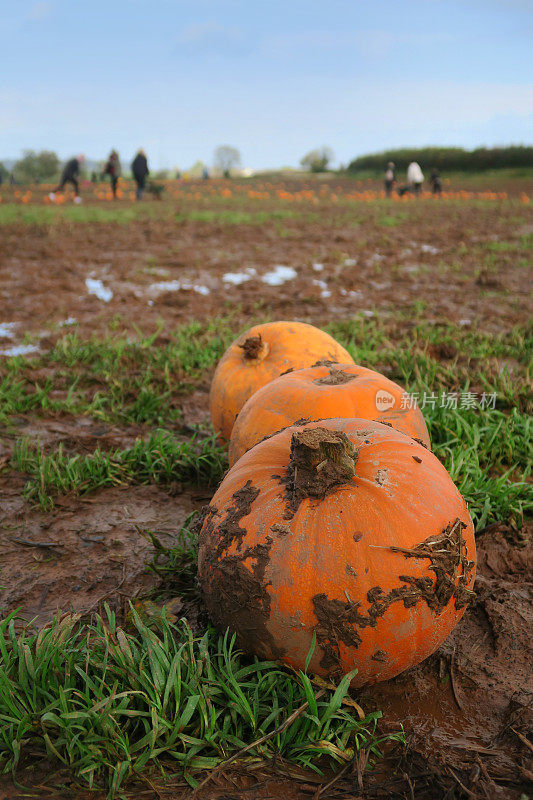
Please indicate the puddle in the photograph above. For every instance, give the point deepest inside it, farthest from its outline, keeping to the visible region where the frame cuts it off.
(236, 278)
(19, 350)
(278, 275)
(176, 286)
(96, 287)
(6, 329)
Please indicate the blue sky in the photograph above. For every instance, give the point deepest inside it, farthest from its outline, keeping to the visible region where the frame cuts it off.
(272, 78)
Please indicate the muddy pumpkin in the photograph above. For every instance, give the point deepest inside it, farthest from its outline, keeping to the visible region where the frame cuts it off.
(346, 530)
(325, 392)
(258, 356)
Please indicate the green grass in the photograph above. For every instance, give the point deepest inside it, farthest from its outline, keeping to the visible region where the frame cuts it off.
(13, 213)
(161, 459)
(235, 217)
(142, 381)
(110, 703)
(117, 379)
(392, 220)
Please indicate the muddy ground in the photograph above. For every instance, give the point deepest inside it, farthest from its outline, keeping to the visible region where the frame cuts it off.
(467, 710)
(461, 259)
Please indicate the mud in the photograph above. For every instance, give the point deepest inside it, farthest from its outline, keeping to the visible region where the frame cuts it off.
(234, 588)
(321, 461)
(450, 564)
(43, 269)
(340, 621)
(463, 708)
(86, 550)
(466, 711)
(252, 347)
(336, 377)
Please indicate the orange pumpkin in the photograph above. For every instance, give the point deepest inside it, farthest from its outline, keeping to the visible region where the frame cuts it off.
(344, 529)
(324, 392)
(260, 355)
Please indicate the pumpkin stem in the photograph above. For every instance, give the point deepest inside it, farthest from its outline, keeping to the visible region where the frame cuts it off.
(335, 377)
(321, 460)
(254, 348)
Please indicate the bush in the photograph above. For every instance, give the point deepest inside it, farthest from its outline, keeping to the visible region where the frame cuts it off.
(448, 158)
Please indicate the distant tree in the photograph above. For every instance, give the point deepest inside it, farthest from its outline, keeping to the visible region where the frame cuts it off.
(161, 174)
(226, 158)
(4, 173)
(196, 170)
(36, 167)
(318, 160)
(447, 159)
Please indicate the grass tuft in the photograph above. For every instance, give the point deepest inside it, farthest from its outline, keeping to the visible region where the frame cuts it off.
(161, 459)
(109, 702)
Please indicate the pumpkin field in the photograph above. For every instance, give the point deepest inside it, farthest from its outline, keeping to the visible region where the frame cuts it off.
(229, 569)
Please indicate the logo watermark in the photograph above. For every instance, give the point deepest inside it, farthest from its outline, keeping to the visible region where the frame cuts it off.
(384, 400)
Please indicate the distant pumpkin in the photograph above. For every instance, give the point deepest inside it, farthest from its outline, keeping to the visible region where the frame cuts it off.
(325, 392)
(258, 356)
(343, 530)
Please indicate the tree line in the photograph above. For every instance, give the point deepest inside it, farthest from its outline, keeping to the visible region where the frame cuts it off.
(448, 159)
(45, 166)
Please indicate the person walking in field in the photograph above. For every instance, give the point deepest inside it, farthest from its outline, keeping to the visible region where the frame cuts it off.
(435, 181)
(390, 178)
(70, 174)
(415, 177)
(113, 169)
(139, 168)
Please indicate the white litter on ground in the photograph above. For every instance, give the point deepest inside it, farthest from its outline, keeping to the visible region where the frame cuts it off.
(66, 322)
(323, 285)
(236, 278)
(465, 322)
(318, 267)
(19, 350)
(350, 262)
(278, 275)
(428, 248)
(6, 330)
(351, 293)
(367, 313)
(176, 286)
(96, 287)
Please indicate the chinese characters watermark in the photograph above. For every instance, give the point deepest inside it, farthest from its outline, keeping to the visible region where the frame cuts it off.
(451, 400)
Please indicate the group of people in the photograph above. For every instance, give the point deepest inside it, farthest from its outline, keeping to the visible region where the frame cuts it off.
(415, 179)
(140, 172)
(71, 172)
